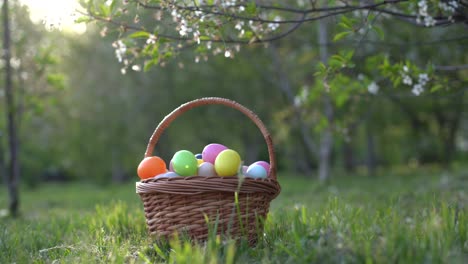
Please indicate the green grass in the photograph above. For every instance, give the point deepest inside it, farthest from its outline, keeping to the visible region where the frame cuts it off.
(411, 217)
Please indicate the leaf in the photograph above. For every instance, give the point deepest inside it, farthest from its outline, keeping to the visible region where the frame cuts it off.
(341, 97)
(348, 54)
(251, 8)
(112, 6)
(344, 25)
(321, 69)
(436, 87)
(397, 81)
(341, 35)
(379, 32)
(105, 10)
(56, 80)
(346, 22)
(139, 34)
(83, 19)
(149, 65)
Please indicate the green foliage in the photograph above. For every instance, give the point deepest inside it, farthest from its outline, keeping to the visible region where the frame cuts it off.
(85, 114)
(403, 216)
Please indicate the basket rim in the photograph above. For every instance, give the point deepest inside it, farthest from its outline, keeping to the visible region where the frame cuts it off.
(203, 184)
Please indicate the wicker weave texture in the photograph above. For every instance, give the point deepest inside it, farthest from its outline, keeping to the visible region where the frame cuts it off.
(194, 204)
(167, 213)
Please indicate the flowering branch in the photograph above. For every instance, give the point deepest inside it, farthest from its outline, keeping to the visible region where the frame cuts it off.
(161, 27)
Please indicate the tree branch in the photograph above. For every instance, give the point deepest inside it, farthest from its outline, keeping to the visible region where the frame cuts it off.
(451, 67)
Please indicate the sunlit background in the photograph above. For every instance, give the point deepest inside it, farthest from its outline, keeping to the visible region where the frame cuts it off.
(56, 14)
(368, 116)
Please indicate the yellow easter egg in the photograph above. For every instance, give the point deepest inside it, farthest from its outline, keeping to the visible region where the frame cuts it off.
(227, 163)
(200, 161)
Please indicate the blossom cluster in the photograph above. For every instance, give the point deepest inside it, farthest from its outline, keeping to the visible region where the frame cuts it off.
(424, 17)
(419, 82)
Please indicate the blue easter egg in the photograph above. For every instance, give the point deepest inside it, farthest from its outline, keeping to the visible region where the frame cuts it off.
(169, 174)
(256, 171)
(198, 156)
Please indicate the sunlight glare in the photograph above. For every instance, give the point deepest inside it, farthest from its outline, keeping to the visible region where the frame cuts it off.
(55, 14)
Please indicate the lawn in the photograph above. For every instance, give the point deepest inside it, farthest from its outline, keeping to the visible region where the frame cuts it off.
(397, 217)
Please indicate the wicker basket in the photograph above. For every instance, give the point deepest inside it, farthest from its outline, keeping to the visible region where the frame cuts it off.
(191, 205)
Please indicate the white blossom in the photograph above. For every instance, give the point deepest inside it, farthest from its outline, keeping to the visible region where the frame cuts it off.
(24, 75)
(407, 80)
(151, 39)
(239, 25)
(227, 53)
(274, 26)
(417, 89)
(423, 78)
(136, 68)
(183, 31)
(196, 36)
(297, 101)
(423, 15)
(373, 88)
(15, 62)
(120, 49)
(450, 6)
(217, 51)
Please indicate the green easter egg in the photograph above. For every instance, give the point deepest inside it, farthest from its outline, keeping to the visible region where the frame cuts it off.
(185, 163)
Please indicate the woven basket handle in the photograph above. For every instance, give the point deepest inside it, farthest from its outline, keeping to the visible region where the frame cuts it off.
(220, 101)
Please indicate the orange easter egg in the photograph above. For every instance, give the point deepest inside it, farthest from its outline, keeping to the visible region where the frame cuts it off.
(150, 167)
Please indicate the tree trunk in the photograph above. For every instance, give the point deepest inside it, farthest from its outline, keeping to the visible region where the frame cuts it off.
(2, 157)
(371, 160)
(118, 174)
(326, 142)
(451, 132)
(12, 178)
(252, 147)
(348, 158)
(285, 86)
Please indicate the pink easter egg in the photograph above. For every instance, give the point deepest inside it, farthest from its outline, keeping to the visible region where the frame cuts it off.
(171, 167)
(264, 164)
(211, 151)
(244, 169)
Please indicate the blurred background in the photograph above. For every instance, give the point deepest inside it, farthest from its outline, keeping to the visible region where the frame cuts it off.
(82, 117)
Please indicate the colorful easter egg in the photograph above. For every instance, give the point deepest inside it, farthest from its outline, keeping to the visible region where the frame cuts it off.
(206, 169)
(264, 164)
(150, 167)
(169, 174)
(244, 169)
(227, 163)
(199, 156)
(211, 151)
(184, 163)
(171, 166)
(256, 171)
